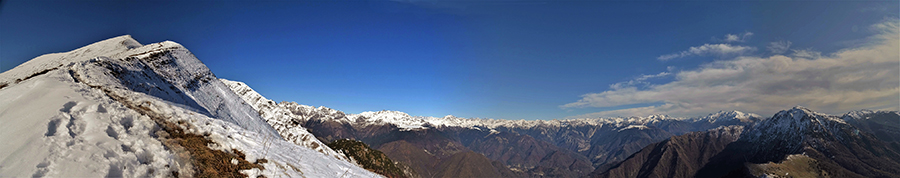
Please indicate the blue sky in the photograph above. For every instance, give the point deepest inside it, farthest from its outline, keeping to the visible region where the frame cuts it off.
(501, 59)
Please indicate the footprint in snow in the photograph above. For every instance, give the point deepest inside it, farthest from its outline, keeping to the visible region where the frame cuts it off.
(76, 126)
(68, 106)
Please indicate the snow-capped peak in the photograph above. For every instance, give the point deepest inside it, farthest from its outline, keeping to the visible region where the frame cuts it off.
(797, 125)
(800, 114)
(803, 114)
(859, 114)
(384, 115)
(400, 119)
(659, 117)
(804, 110)
(722, 116)
(866, 114)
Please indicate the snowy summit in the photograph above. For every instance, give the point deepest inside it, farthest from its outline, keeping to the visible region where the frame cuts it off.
(118, 108)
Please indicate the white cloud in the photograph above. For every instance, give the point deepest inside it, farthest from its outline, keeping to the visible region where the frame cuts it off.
(638, 80)
(730, 38)
(806, 54)
(866, 77)
(720, 50)
(779, 47)
(670, 56)
(645, 77)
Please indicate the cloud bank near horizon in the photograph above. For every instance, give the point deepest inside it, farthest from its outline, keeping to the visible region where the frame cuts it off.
(866, 77)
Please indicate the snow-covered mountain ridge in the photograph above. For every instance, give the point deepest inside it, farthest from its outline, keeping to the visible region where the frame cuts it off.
(118, 108)
(405, 121)
(865, 114)
(723, 116)
(280, 120)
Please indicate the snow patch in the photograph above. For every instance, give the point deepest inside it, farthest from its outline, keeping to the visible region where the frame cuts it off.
(639, 127)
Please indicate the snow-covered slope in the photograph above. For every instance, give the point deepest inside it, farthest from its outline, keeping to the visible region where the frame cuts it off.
(116, 108)
(281, 120)
(53, 126)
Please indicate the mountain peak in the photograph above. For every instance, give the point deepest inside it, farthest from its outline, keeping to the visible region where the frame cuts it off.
(866, 114)
(730, 115)
(658, 116)
(105, 48)
(797, 125)
(801, 108)
(799, 113)
(115, 42)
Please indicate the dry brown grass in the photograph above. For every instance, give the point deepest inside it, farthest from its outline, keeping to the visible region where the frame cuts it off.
(36, 74)
(796, 166)
(212, 163)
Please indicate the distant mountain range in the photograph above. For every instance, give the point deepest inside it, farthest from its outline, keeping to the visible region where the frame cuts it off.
(598, 147)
